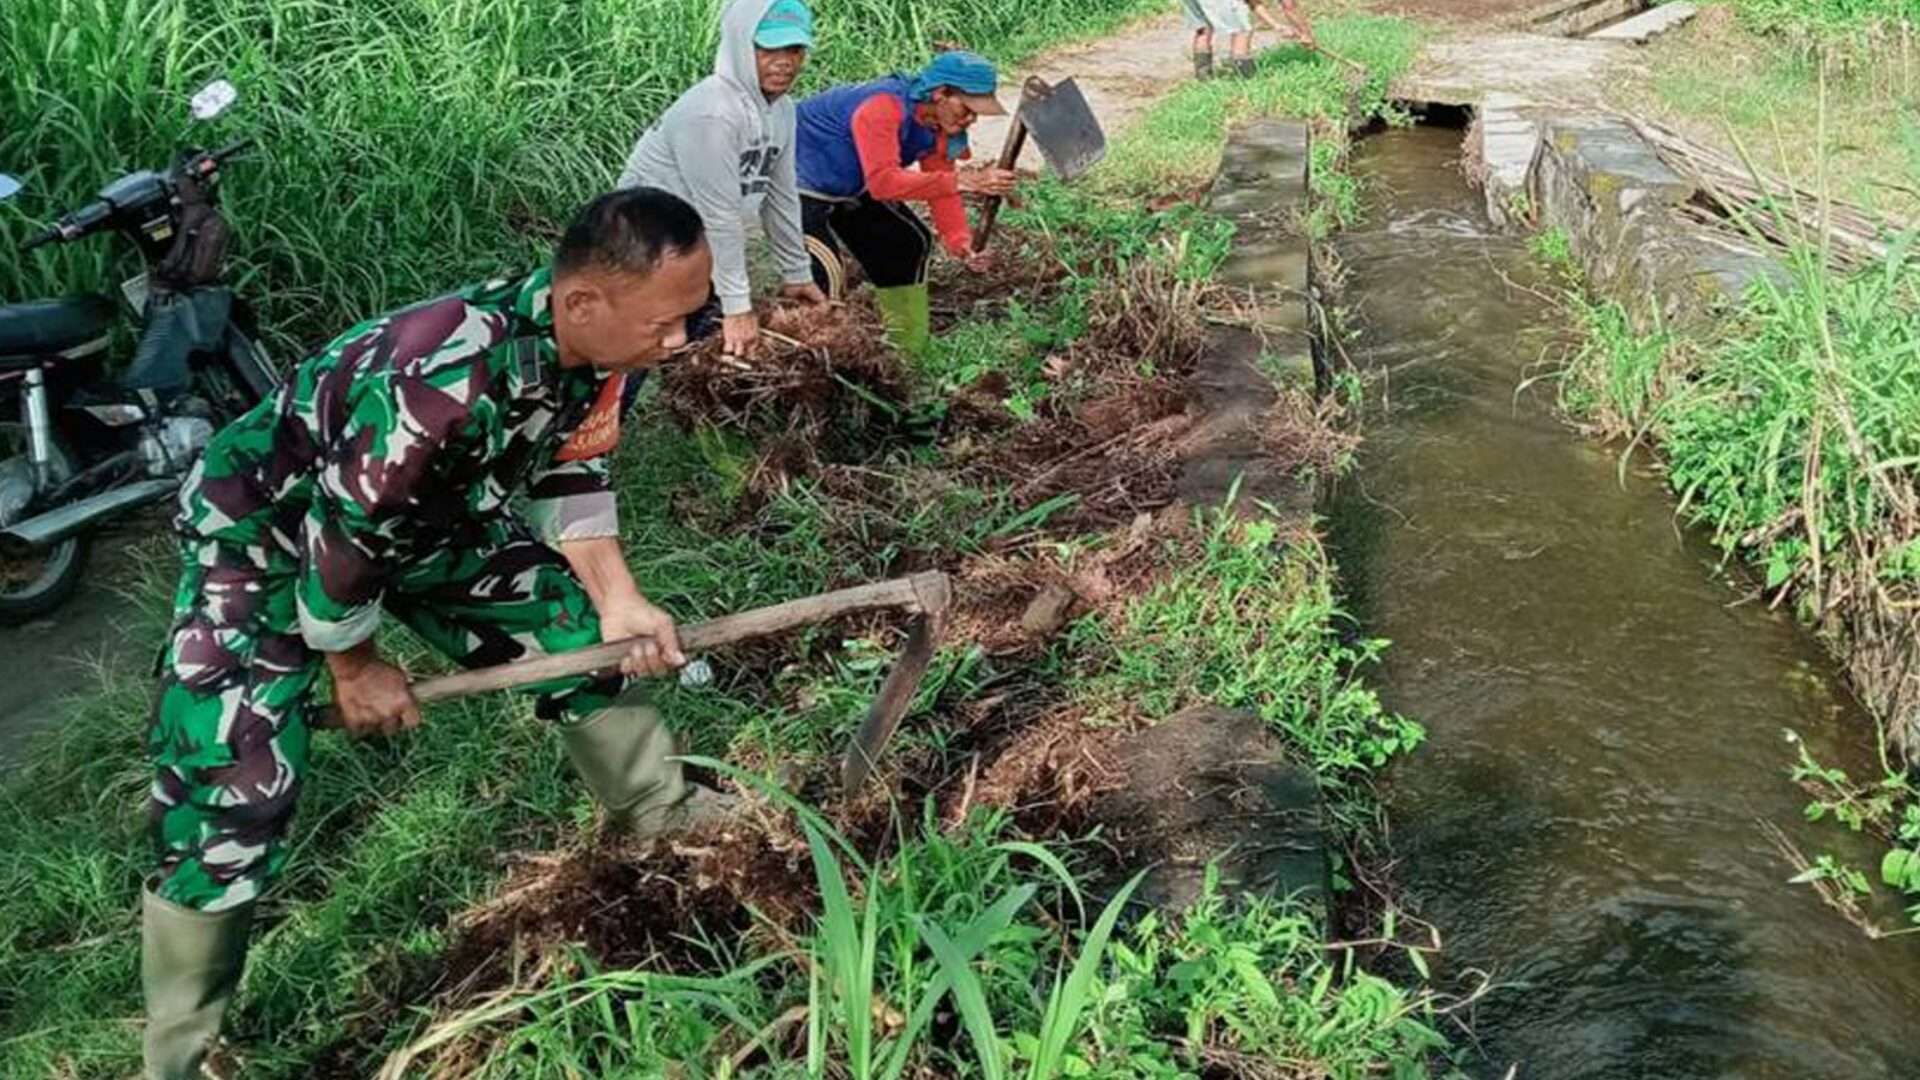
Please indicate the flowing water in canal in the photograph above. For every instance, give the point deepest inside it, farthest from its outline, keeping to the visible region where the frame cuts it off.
(1604, 720)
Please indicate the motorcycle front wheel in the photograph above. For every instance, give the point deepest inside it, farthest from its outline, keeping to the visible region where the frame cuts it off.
(33, 581)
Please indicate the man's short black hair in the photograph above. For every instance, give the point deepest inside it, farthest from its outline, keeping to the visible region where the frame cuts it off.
(629, 231)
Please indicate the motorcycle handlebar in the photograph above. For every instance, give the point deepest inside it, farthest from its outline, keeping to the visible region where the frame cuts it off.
(72, 226)
(212, 161)
(84, 220)
(44, 236)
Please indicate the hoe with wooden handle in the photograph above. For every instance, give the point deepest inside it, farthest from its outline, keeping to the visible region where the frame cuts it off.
(927, 596)
(1061, 123)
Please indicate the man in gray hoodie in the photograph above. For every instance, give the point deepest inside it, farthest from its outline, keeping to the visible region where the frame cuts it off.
(726, 146)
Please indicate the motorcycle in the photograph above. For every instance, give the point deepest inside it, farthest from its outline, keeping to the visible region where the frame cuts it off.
(89, 444)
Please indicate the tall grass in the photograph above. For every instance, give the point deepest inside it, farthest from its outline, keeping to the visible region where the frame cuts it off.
(1825, 17)
(994, 934)
(1794, 436)
(407, 146)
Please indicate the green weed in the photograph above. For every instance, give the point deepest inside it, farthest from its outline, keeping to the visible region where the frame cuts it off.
(1888, 808)
(1250, 622)
(1615, 379)
(1824, 17)
(1247, 982)
(1553, 247)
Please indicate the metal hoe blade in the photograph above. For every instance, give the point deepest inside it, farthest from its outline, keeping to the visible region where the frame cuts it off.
(896, 694)
(1061, 123)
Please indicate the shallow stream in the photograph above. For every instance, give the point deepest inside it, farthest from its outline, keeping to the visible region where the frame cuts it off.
(1605, 716)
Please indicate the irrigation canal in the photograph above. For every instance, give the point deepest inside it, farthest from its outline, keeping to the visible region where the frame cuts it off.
(1605, 719)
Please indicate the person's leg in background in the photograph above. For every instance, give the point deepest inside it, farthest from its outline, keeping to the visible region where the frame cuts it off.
(1202, 29)
(1235, 19)
(893, 247)
(1243, 54)
(228, 743)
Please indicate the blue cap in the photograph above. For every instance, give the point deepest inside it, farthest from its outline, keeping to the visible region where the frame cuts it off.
(787, 23)
(969, 73)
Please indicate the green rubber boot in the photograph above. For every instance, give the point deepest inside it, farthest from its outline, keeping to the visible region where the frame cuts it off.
(905, 310)
(190, 963)
(621, 754)
(1203, 66)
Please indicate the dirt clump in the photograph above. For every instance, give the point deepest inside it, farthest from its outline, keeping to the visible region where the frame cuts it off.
(1106, 441)
(1108, 461)
(1301, 433)
(1047, 774)
(633, 905)
(1211, 790)
(1024, 266)
(980, 406)
(814, 364)
(996, 593)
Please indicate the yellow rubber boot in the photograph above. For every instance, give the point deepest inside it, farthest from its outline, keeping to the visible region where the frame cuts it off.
(905, 310)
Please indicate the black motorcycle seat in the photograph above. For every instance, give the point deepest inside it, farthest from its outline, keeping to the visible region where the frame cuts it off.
(38, 329)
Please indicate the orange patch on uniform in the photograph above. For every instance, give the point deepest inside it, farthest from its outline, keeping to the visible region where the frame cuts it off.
(599, 433)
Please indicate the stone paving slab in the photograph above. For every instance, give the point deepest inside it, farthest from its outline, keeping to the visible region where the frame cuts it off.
(1648, 25)
(1214, 787)
(1579, 18)
(1607, 188)
(1509, 145)
(1545, 70)
(1263, 187)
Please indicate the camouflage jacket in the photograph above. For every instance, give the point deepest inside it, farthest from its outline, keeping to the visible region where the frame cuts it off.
(398, 438)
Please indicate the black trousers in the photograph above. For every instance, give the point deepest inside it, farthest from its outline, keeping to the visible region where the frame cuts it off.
(890, 241)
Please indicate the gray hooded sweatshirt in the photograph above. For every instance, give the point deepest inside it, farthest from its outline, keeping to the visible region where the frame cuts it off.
(724, 149)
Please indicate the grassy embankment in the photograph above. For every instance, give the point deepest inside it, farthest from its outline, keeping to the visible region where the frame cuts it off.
(1792, 431)
(977, 462)
(1754, 67)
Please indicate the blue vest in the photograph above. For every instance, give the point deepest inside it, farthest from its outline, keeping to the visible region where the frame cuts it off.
(825, 157)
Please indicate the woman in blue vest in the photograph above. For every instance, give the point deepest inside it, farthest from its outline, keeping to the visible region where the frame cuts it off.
(857, 148)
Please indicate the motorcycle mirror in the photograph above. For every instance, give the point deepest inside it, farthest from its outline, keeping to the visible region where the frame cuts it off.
(213, 99)
(9, 187)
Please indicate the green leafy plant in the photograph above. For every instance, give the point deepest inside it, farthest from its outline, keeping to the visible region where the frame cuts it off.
(1553, 247)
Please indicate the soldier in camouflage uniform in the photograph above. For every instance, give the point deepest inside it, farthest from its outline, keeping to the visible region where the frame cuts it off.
(378, 479)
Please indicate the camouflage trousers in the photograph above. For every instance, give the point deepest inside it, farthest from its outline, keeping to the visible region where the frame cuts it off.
(229, 735)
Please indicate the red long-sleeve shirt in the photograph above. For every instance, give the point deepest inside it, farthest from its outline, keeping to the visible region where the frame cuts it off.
(876, 136)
